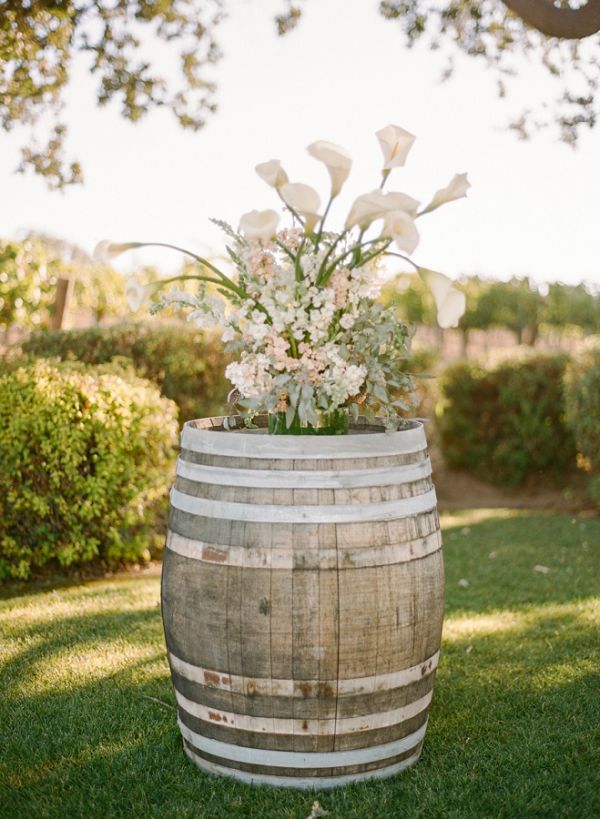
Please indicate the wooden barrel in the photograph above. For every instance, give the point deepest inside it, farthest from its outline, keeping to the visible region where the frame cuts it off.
(302, 602)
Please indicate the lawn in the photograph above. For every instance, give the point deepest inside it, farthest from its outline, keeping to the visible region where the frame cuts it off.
(88, 722)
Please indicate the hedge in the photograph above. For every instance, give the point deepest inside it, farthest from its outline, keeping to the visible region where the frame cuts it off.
(86, 459)
(506, 424)
(185, 363)
(582, 393)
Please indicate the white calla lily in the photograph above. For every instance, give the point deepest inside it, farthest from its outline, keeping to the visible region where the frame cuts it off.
(136, 293)
(395, 144)
(106, 251)
(401, 201)
(449, 301)
(400, 227)
(272, 173)
(455, 189)
(259, 224)
(371, 206)
(337, 161)
(303, 200)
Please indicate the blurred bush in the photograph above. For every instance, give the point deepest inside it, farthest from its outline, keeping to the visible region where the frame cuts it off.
(506, 424)
(186, 363)
(86, 459)
(582, 394)
(423, 364)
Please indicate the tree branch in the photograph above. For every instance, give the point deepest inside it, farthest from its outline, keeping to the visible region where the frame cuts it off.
(553, 21)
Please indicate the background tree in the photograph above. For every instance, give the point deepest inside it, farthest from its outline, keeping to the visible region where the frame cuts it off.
(571, 305)
(40, 38)
(99, 289)
(27, 285)
(412, 298)
(517, 305)
(480, 312)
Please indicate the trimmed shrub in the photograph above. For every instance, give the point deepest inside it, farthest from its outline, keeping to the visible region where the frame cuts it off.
(187, 365)
(86, 459)
(506, 424)
(582, 394)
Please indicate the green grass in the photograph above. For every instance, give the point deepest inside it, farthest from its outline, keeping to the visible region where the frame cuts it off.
(87, 724)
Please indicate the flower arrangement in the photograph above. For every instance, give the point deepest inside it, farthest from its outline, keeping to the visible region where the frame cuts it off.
(300, 307)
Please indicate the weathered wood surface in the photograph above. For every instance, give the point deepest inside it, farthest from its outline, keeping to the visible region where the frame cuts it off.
(302, 602)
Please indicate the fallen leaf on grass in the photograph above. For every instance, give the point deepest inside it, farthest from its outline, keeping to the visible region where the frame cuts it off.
(463, 583)
(317, 811)
(539, 568)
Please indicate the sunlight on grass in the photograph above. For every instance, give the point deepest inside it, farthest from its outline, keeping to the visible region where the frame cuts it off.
(468, 517)
(460, 628)
(95, 597)
(465, 627)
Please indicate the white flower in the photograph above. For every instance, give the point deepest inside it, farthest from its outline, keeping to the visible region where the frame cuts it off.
(272, 173)
(179, 296)
(259, 224)
(105, 251)
(450, 302)
(400, 227)
(256, 329)
(455, 189)
(337, 160)
(371, 206)
(136, 293)
(395, 144)
(208, 313)
(304, 200)
(401, 201)
(201, 318)
(228, 333)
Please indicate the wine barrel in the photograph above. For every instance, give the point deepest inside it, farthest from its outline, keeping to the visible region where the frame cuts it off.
(302, 599)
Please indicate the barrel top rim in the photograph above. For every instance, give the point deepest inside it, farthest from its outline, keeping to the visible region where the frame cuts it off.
(215, 426)
(207, 435)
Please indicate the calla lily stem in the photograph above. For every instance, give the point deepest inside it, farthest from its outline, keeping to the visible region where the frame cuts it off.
(322, 223)
(400, 256)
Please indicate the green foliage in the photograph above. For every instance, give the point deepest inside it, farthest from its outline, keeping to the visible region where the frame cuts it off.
(100, 290)
(568, 305)
(517, 306)
(39, 39)
(480, 312)
(412, 299)
(506, 425)
(29, 270)
(85, 458)
(582, 394)
(187, 364)
(421, 365)
(27, 284)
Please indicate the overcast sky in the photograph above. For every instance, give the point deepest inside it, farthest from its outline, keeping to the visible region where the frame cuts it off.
(343, 74)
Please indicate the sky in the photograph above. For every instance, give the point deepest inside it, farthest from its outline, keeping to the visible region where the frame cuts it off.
(533, 208)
